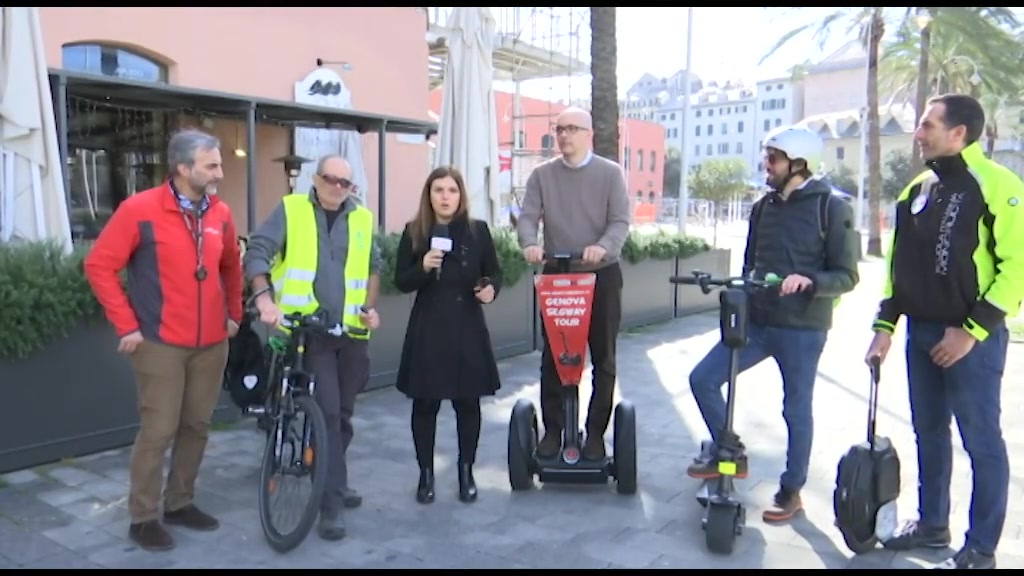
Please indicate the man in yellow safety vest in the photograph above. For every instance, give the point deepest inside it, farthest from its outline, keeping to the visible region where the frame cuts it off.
(317, 252)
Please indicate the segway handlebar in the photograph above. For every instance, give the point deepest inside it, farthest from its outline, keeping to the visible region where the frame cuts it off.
(706, 282)
(564, 256)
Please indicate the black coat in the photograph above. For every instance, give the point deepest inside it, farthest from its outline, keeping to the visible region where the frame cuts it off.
(447, 352)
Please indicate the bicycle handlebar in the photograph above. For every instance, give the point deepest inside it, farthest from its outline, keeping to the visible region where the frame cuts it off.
(706, 282)
(315, 322)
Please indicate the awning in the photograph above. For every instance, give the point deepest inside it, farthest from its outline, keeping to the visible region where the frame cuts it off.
(148, 95)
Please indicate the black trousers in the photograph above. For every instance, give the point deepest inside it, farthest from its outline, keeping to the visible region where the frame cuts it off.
(605, 319)
(424, 429)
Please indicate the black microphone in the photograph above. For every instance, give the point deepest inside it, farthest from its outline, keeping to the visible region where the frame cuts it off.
(440, 241)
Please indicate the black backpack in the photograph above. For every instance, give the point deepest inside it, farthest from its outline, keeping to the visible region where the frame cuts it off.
(867, 485)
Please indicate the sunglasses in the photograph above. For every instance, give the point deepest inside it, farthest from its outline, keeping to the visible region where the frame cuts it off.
(570, 129)
(344, 183)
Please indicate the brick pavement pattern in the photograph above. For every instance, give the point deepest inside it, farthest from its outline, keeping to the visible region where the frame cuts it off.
(73, 515)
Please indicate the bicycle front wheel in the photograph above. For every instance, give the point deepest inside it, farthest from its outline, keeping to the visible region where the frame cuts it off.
(289, 458)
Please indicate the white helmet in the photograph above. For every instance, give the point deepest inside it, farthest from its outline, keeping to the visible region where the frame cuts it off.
(798, 143)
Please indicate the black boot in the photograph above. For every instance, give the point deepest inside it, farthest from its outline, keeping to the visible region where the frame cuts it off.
(425, 490)
(467, 485)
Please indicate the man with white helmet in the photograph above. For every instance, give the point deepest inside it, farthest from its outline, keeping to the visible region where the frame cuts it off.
(803, 235)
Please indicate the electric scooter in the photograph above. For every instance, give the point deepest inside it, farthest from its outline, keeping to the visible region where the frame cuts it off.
(725, 515)
(565, 301)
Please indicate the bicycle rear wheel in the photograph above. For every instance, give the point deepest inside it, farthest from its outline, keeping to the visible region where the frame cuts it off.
(292, 459)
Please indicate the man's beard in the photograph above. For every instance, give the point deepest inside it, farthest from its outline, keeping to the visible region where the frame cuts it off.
(775, 182)
(207, 189)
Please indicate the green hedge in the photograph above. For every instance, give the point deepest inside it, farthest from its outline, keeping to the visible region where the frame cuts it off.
(44, 295)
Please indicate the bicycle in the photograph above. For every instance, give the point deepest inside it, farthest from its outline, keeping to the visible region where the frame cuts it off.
(290, 400)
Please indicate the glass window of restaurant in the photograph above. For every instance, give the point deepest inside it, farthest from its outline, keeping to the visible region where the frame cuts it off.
(114, 150)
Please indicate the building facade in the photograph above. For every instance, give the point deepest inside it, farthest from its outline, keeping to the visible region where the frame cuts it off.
(641, 144)
(115, 148)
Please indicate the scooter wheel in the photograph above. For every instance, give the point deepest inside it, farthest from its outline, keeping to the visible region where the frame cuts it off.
(522, 442)
(721, 527)
(624, 448)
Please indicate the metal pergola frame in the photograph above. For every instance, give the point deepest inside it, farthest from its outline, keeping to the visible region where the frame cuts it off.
(254, 110)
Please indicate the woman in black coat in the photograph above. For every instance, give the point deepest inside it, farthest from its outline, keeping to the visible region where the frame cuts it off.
(447, 352)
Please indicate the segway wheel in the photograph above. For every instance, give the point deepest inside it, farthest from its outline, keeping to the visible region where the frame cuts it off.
(522, 442)
(856, 544)
(624, 448)
(721, 528)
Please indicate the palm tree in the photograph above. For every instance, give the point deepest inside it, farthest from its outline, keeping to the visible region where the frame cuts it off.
(604, 85)
(869, 23)
(981, 34)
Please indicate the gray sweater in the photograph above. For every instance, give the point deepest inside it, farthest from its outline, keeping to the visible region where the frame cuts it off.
(580, 207)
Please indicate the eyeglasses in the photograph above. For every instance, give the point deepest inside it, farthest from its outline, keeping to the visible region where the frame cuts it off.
(570, 129)
(343, 183)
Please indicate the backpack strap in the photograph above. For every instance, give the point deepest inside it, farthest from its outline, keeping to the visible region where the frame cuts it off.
(823, 213)
(755, 219)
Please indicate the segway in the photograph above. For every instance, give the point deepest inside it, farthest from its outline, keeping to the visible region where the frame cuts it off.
(725, 515)
(565, 301)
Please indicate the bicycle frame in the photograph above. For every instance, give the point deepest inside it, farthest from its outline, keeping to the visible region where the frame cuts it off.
(279, 402)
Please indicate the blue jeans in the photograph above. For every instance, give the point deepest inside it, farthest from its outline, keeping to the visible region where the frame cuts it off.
(797, 352)
(970, 391)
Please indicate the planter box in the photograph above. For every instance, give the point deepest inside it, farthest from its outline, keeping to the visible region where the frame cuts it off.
(73, 398)
(386, 341)
(510, 319)
(689, 299)
(646, 293)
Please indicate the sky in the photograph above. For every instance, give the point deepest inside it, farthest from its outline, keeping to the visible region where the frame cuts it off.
(728, 43)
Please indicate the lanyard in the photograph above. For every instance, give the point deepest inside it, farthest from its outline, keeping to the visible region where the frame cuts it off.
(194, 225)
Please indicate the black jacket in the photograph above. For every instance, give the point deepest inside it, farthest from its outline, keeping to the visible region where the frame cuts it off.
(447, 352)
(789, 240)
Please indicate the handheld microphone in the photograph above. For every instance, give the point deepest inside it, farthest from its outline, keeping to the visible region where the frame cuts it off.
(440, 240)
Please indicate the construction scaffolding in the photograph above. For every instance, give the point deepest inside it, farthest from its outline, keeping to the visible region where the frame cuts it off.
(540, 45)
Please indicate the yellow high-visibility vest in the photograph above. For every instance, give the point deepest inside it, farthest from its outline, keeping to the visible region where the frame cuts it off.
(293, 276)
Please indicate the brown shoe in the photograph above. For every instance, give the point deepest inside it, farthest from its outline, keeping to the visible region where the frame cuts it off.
(785, 505)
(191, 517)
(593, 449)
(549, 445)
(151, 536)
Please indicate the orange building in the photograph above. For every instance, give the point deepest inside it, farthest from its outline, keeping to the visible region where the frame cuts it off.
(642, 144)
(263, 83)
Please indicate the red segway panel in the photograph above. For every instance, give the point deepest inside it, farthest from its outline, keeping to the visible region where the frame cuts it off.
(565, 302)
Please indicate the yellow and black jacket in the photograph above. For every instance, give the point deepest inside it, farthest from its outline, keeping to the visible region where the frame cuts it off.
(957, 253)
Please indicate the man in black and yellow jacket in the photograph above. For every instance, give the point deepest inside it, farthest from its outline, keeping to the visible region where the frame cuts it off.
(956, 271)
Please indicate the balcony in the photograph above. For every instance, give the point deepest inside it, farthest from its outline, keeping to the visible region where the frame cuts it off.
(531, 43)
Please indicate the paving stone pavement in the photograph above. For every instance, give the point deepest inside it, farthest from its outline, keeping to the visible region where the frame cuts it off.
(73, 515)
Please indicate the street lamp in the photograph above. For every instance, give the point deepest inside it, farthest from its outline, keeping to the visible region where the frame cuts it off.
(683, 207)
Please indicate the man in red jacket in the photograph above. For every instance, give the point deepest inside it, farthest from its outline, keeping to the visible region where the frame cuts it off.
(184, 299)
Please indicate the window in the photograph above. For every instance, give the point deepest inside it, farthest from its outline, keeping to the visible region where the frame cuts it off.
(547, 142)
(711, 113)
(744, 108)
(654, 161)
(662, 117)
(698, 130)
(1022, 116)
(723, 147)
(739, 127)
(773, 104)
(625, 158)
(672, 116)
(711, 130)
(725, 128)
(112, 61)
(739, 147)
(696, 150)
(640, 159)
(840, 153)
(767, 125)
(708, 150)
(778, 122)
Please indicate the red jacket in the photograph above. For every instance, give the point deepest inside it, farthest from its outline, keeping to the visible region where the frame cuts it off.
(147, 234)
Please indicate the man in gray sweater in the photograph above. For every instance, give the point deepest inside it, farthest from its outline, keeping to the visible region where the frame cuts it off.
(583, 202)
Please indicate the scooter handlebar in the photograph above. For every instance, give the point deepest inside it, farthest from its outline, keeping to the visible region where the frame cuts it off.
(706, 282)
(568, 256)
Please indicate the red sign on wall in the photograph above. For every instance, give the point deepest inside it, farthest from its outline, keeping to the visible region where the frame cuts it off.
(565, 302)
